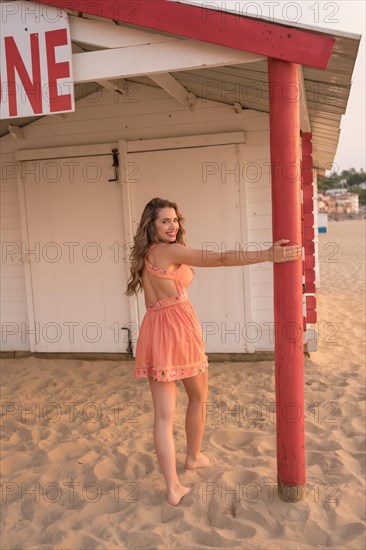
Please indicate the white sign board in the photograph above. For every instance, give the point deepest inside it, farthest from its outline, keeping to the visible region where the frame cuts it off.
(35, 60)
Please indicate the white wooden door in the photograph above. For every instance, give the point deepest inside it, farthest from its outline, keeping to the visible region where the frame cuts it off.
(74, 224)
(205, 182)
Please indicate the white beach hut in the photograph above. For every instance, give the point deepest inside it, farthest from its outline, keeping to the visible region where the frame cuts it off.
(188, 120)
(229, 116)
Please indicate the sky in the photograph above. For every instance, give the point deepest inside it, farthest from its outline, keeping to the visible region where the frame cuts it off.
(342, 15)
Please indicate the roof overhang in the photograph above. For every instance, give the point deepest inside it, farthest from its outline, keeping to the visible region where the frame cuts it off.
(208, 25)
(109, 53)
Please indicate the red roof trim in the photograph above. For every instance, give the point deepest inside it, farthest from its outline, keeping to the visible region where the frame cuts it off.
(233, 31)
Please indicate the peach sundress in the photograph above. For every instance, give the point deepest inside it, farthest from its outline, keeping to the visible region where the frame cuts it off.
(170, 343)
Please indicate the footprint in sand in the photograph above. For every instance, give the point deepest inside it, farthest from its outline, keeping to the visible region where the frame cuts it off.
(350, 426)
(349, 532)
(145, 537)
(331, 463)
(316, 429)
(171, 513)
(107, 469)
(22, 460)
(138, 466)
(313, 457)
(239, 477)
(27, 509)
(66, 451)
(228, 515)
(211, 538)
(91, 457)
(145, 464)
(21, 435)
(234, 440)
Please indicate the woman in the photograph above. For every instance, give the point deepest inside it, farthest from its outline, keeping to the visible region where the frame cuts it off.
(170, 345)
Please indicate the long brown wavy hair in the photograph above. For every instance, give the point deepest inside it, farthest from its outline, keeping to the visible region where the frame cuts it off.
(145, 236)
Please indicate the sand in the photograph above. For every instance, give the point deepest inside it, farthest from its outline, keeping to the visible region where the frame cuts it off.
(79, 469)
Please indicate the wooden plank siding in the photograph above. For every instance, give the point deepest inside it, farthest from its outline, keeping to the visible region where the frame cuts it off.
(105, 118)
(13, 304)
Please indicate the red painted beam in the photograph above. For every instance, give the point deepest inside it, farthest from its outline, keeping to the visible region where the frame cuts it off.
(284, 120)
(308, 222)
(233, 31)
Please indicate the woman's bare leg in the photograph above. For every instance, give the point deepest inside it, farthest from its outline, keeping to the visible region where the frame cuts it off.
(164, 400)
(197, 391)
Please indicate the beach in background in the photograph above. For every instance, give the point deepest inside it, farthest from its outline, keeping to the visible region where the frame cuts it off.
(79, 469)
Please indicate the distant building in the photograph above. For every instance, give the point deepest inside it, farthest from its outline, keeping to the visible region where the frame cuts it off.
(339, 202)
(348, 203)
(326, 203)
(334, 192)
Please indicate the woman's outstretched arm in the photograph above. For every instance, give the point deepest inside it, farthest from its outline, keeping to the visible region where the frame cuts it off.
(179, 254)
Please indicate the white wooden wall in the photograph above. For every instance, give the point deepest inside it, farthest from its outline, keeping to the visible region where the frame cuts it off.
(13, 305)
(146, 112)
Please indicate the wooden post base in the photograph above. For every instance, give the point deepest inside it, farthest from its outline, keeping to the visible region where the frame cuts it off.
(291, 493)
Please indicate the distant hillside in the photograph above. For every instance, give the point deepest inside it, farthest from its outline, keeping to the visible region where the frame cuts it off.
(348, 180)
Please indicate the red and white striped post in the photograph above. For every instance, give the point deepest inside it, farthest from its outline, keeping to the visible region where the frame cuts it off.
(284, 115)
(308, 228)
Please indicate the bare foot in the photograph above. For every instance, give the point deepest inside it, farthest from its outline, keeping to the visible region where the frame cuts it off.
(201, 461)
(175, 495)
